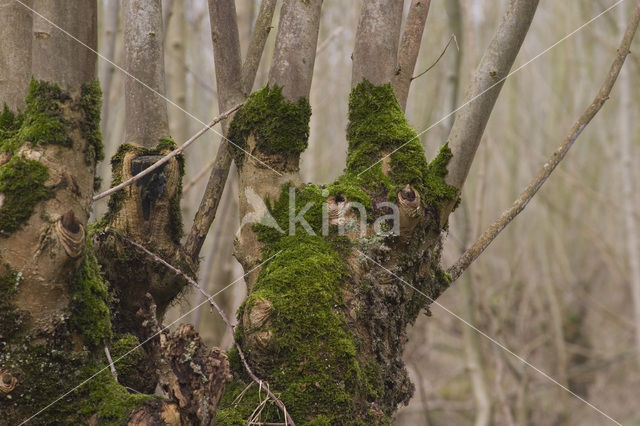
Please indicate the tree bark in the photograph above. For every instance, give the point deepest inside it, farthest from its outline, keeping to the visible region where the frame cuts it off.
(146, 108)
(409, 49)
(55, 55)
(16, 22)
(375, 53)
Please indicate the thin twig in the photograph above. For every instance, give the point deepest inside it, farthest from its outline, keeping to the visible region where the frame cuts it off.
(169, 156)
(521, 202)
(224, 317)
(452, 38)
(111, 366)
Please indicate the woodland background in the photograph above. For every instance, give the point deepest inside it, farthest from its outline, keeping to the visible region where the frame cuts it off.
(554, 287)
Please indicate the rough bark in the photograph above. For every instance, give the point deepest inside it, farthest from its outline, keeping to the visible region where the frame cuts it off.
(148, 211)
(16, 22)
(375, 53)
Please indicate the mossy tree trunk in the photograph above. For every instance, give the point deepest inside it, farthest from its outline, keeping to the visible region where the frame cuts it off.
(326, 316)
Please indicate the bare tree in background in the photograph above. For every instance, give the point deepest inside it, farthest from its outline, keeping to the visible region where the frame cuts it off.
(321, 334)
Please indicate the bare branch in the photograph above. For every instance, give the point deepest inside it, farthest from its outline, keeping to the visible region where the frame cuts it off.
(295, 50)
(375, 53)
(224, 317)
(410, 48)
(169, 156)
(492, 231)
(487, 80)
(259, 36)
(146, 110)
(226, 49)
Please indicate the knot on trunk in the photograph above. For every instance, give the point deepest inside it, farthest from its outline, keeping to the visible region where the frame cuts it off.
(7, 381)
(70, 233)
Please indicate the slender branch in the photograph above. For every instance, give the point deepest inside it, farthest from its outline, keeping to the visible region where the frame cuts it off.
(485, 86)
(226, 49)
(169, 156)
(558, 155)
(224, 317)
(452, 38)
(259, 36)
(409, 48)
(375, 53)
(228, 64)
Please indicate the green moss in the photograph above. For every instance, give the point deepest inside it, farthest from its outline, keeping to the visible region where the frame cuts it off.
(314, 362)
(9, 124)
(42, 121)
(90, 315)
(22, 186)
(108, 399)
(115, 201)
(378, 127)
(91, 104)
(280, 127)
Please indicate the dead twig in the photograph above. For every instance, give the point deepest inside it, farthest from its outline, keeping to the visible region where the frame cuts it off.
(452, 38)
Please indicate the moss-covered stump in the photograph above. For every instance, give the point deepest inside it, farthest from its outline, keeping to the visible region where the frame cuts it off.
(326, 318)
(147, 212)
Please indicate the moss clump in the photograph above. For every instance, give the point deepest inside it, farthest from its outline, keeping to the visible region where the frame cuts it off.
(9, 124)
(127, 353)
(378, 127)
(22, 186)
(115, 201)
(42, 121)
(280, 127)
(91, 104)
(47, 371)
(90, 301)
(314, 363)
(108, 399)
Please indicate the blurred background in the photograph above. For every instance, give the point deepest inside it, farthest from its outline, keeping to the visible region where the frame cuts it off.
(556, 285)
